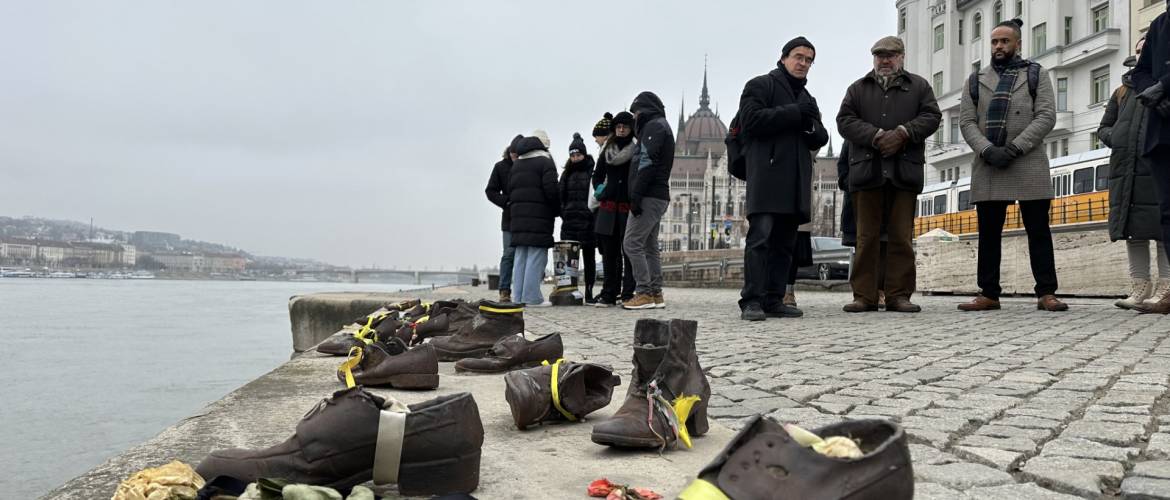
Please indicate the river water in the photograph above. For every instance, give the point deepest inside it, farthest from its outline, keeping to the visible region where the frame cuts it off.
(89, 368)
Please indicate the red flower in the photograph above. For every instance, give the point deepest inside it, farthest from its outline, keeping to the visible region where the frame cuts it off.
(601, 488)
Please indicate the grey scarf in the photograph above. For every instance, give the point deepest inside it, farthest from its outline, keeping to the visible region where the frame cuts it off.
(615, 155)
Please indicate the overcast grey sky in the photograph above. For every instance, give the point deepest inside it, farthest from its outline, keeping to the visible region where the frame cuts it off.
(356, 132)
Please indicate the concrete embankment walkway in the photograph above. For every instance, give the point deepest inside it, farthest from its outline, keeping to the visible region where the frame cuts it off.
(551, 461)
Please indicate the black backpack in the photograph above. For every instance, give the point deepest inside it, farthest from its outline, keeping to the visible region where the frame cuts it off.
(1033, 82)
(737, 143)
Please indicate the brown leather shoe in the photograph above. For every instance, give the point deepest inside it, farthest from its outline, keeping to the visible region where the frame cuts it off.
(763, 461)
(515, 352)
(859, 306)
(790, 299)
(1050, 303)
(899, 304)
(980, 303)
(1159, 307)
(392, 364)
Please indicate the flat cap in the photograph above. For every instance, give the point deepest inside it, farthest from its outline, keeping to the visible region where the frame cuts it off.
(889, 44)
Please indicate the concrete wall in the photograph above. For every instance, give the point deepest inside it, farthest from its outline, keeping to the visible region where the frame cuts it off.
(319, 315)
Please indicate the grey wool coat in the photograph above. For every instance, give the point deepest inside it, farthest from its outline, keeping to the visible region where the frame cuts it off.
(1028, 123)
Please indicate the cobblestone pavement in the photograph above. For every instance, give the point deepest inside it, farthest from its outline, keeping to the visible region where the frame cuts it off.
(1013, 404)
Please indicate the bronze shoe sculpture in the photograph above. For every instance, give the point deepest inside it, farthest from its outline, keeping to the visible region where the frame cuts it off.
(580, 389)
(340, 343)
(668, 383)
(515, 352)
(429, 448)
(764, 461)
(391, 364)
(475, 338)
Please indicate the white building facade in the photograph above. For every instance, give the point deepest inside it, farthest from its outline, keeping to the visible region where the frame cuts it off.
(1082, 44)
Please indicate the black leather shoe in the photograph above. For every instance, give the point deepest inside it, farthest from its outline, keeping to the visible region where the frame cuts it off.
(753, 312)
(783, 311)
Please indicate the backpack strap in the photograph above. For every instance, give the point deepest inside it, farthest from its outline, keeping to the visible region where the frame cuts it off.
(1033, 80)
(973, 87)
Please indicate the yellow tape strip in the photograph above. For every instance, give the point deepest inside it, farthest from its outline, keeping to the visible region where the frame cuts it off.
(556, 393)
(682, 410)
(702, 490)
(501, 311)
(355, 357)
(361, 334)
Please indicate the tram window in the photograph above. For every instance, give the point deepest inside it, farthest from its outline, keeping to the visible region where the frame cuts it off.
(1065, 187)
(964, 200)
(1083, 180)
(1103, 177)
(1056, 187)
(940, 204)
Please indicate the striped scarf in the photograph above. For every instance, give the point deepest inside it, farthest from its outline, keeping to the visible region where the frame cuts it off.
(997, 108)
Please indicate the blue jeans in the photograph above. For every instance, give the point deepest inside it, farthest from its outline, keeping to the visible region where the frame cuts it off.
(506, 262)
(527, 272)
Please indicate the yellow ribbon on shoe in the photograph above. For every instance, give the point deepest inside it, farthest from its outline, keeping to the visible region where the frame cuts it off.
(501, 311)
(700, 489)
(355, 357)
(556, 393)
(682, 409)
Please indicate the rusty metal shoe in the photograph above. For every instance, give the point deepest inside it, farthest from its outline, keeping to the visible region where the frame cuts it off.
(446, 318)
(391, 364)
(494, 322)
(582, 388)
(514, 352)
(429, 448)
(402, 305)
(377, 325)
(666, 371)
(763, 461)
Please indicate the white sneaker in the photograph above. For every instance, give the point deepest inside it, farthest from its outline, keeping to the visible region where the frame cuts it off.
(1142, 290)
(542, 304)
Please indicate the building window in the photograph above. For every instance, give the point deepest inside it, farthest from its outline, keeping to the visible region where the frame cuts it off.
(976, 26)
(955, 136)
(1064, 147)
(1068, 31)
(997, 12)
(938, 83)
(901, 20)
(1101, 17)
(1019, 8)
(1062, 94)
(1039, 38)
(938, 37)
(1052, 150)
(960, 34)
(1094, 141)
(1100, 90)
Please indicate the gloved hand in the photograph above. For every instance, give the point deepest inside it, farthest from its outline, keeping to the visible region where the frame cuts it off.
(598, 190)
(1163, 108)
(809, 112)
(1014, 151)
(997, 156)
(636, 206)
(1152, 96)
(892, 141)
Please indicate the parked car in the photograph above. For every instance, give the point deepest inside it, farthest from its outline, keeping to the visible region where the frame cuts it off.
(831, 260)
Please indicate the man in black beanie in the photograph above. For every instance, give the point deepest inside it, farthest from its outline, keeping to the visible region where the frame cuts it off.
(782, 125)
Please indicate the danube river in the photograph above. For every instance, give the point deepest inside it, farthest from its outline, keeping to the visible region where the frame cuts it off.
(90, 368)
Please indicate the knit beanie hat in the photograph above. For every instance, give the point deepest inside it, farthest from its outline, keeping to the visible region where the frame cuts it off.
(515, 140)
(578, 145)
(604, 126)
(542, 135)
(799, 41)
(624, 118)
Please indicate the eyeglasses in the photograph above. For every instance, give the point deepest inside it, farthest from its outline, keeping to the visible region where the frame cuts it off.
(802, 59)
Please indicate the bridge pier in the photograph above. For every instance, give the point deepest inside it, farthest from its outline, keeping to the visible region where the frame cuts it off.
(353, 275)
(417, 278)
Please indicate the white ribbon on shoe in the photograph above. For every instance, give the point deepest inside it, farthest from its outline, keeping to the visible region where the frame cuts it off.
(388, 449)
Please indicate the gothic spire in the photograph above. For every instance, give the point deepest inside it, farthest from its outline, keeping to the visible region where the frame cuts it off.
(681, 119)
(704, 98)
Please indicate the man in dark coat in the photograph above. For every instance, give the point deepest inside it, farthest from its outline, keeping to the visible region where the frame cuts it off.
(497, 193)
(886, 116)
(1133, 199)
(649, 197)
(1151, 79)
(534, 201)
(576, 217)
(782, 123)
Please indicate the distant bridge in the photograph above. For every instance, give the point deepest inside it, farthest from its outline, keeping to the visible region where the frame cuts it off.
(415, 276)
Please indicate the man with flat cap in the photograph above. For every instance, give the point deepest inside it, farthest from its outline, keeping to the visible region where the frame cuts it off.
(886, 118)
(782, 125)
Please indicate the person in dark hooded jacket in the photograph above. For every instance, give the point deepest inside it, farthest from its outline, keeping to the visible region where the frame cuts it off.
(576, 217)
(649, 198)
(534, 201)
(1133, 199)
(783, 123)
(611, 186)
(497, 193)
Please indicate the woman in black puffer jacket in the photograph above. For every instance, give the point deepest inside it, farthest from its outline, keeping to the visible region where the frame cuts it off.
(534, 203)
(576, 217)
